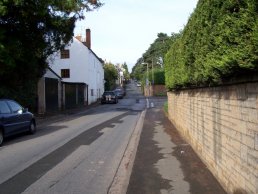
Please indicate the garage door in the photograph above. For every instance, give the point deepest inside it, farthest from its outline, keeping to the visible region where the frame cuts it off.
(70, 95)
(51, 91)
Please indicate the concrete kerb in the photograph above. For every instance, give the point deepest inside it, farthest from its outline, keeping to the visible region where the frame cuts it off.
(121, 179)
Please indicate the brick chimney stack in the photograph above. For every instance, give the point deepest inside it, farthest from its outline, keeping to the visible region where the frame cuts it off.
(88, 38)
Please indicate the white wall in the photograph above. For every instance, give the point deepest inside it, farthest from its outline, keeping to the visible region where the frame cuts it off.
(84, 67)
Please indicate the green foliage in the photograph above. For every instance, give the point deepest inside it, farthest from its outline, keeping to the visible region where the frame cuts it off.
(154, 56)
(156, 77)
(218, 43)
(157, 50)
(126, 72)
(138, 71)
(110, 76)
(165, 107)
(161, 94)
(29, 32)
(159, 77)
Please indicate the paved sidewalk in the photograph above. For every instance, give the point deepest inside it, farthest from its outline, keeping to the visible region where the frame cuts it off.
(165, 163)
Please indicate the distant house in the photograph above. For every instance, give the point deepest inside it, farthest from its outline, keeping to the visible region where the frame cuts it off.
(81, 72)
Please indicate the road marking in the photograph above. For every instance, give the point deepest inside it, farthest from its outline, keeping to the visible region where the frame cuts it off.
(149, 104)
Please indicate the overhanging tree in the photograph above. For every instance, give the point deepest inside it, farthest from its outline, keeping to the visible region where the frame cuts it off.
(30, 31)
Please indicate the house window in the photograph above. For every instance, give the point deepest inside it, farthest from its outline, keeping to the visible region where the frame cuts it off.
(92, 92)
(65, 73)
(65, 53)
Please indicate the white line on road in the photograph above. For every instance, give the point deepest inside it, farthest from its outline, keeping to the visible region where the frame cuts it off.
(149, 104)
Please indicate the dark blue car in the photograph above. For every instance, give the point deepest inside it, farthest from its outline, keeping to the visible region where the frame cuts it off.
(109, 97)
(14, 119)
(119, 93)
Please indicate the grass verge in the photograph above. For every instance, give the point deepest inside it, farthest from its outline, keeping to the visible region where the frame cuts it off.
(165, 107)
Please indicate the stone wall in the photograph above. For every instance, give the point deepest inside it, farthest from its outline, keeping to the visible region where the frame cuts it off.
(221, 124)
(159, 90)
(155, 90)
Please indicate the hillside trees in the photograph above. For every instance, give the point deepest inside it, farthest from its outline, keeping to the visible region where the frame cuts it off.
(218, 43)
(29, 32)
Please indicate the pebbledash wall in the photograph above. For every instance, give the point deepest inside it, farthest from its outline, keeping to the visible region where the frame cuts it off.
(221, 124)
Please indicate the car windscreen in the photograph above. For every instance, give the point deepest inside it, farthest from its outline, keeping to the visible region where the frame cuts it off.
(4, 109)
(14, 106)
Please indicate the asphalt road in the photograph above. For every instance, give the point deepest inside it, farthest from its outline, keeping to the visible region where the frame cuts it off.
(129, 147)
(77, 153)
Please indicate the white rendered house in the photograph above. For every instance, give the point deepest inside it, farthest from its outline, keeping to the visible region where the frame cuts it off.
(77, 63)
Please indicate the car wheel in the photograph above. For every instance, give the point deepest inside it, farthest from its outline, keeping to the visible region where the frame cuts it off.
(1, 137)
(32, 128)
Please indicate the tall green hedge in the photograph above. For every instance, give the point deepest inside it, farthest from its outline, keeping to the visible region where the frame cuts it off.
(156, 77)
(220, 41)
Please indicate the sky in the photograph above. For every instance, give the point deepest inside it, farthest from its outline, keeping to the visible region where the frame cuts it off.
(122, 30)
